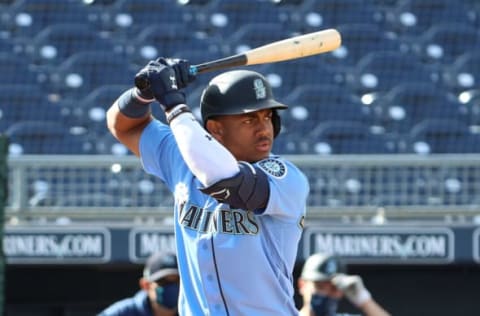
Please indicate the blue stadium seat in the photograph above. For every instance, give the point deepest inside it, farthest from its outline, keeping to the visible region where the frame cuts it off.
(44, 137)
(198, 14)
(408, 103)
(471, 101)
(107, 144)
(132, 16)
(4, 4)
(292, 142)
(25, 18)
(379, 71)
(324, 14)
(287, 75)
(442, 43)
(90, 111)
(167, 40)
(310, 104)
(85, 71)
(253, 35)
(7, 45)
(25, 102)
(55, 43)
(348, 137)
(357, 41)
(440, 136)
(15, 70)
(464, 73)
(410, 18)
(227, 17)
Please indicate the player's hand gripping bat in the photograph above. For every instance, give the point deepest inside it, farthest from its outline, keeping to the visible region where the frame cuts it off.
(291, 48)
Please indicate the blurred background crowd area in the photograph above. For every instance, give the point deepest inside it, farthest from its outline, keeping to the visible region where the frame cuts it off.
(403, 85)
(405, 80)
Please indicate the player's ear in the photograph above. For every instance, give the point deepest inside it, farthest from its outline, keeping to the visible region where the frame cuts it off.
(215, 128)
(143, 283)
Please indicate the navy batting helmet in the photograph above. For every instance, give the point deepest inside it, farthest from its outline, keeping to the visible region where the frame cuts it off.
(239, 92)
(322, 267)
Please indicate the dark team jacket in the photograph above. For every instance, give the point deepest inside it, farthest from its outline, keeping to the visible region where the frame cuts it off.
(137, 305)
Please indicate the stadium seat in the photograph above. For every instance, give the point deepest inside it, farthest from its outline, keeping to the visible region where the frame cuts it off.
(57, 42)
(84, 71)
(380, 71)
(410, 18)
(198, 14)
(253, 35)
(471, 101)
(25, 102)
(357, 41)
(464, 73)
(26, 18)
(167, 40)
(442, 43)
(287, 75)
(440, 136)
(226, 17)
(44, 137)
(90, 111)
(292, 142)
(310, 104)
(324, 14)
(130, 17)
(407, 104)
(7, 45)
(348, 137)
(15, 70)
(107, 144)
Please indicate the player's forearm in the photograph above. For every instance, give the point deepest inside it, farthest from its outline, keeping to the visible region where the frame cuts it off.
(127, 130)
(208, 160)
(372, 308)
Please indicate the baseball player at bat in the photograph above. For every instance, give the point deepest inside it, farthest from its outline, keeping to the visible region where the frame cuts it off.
(239, 208)
(324, 282)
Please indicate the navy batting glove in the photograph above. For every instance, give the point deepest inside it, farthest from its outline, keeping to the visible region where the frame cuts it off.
(163, 84)
(181, 68)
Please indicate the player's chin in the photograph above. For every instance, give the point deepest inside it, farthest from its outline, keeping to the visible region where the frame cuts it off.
(262, 152)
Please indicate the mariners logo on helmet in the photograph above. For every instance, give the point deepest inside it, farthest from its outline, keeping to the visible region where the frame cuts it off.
(274, 167)
(260, 90)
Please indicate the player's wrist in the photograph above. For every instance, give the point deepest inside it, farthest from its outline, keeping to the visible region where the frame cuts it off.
(133, 105)
(145, 96)
(175, 111)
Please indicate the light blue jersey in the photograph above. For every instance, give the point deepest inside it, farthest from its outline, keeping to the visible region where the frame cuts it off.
(231, 262)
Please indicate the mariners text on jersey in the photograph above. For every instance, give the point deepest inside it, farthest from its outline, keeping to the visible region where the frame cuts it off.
(224, 220)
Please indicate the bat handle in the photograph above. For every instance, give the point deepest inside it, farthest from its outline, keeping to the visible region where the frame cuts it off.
(141, 81)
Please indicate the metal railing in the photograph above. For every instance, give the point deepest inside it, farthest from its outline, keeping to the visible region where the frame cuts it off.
(103, 188)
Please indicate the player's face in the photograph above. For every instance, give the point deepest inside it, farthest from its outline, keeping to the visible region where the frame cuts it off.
(249, 137)
(327, 288)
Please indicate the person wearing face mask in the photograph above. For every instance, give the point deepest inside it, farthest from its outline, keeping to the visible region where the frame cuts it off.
(324, 282)
(159, 290)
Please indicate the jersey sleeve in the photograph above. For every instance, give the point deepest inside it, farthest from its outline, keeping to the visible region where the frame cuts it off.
(159, 153)
(289, 188)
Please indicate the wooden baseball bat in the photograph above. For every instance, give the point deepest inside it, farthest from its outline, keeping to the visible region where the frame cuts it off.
(291, 48)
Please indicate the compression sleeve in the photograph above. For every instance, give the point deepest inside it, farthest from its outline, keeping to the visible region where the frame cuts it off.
(208, 160)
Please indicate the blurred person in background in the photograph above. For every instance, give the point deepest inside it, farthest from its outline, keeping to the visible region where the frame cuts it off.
(324, 282)
(159, 289)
